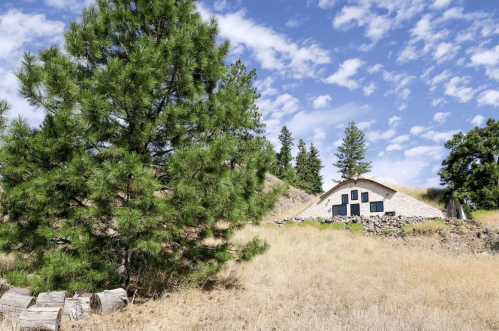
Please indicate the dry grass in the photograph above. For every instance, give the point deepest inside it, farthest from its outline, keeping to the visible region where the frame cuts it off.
(291, 211)
(430, 196)
(426, 227)
(328, 280)
(487, 217)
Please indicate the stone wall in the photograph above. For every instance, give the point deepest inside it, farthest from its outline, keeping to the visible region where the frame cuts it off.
(394, 201)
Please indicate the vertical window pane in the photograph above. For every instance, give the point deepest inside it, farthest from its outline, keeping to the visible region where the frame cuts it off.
(344, 198)
(343, 210)
(379, 206)
(373, 206)
(336, 211)
(355, 195)
(365, 197)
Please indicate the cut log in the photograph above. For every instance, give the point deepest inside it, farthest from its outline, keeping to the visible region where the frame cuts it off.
(76, 308)
(21, 291)
(14, 301)
(4, 288)
(51, 299)
(108, 301)
(40, 318)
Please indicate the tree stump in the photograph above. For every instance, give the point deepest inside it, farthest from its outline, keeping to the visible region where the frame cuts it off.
(108, 301)
(40, 318)
(51, 299)
(76, 308)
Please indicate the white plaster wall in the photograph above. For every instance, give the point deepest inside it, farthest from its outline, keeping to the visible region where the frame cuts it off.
(400, 203)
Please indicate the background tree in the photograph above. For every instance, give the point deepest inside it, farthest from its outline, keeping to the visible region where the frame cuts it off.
(147, 146)
(351, 153)
(302, 168)
(284, 156)
(471, 171)
(314, 168)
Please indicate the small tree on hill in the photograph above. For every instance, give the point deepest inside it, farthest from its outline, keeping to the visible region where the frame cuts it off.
(314, 168)
(302, 167)
(284, 156)
(146, 150)
(351, 153)
(471, 171)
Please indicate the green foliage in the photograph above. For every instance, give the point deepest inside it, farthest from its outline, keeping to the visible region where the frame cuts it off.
(284, 156)
(147, 146)
(314, 168)
(355, 228)
(351, 153)
(471, 171)
(426, 227)
(387, 231)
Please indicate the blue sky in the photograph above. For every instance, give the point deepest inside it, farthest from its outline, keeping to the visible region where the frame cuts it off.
(410, 73)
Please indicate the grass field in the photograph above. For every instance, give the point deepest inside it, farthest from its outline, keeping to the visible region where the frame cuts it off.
(318, 278)
(487, 217)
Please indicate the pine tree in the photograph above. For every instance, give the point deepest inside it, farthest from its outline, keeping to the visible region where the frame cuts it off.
(302, 168)
(314, 169)
(147, 146)
(284, 156)
(351, 153)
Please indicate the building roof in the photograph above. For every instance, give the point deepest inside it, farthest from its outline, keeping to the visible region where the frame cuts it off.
(352, 181)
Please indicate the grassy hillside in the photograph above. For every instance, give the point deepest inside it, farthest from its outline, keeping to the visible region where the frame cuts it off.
(314, 279)
(430, 196)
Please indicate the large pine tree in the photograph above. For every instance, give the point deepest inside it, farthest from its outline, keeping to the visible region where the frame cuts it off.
(314, 168)
(302, 167)
(351, 153)
(284, 157)
(146, 149)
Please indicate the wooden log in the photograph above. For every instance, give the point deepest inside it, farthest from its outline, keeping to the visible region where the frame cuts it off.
(51, 299)
(40, 318)
(108, 301)
(4, 288)
(21, 291)
(76, 308)
(15, 301)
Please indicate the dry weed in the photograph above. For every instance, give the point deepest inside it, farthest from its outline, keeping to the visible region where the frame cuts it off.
(328, 280)
(430, 196)
(487, 217)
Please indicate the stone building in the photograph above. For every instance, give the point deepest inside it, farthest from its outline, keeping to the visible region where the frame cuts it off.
(367, 197)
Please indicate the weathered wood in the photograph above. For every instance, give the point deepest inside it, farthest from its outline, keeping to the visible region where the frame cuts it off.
(21, 291)
(4, 288)
(40, 318)
(51, 299)
(76, 308)
(15, 301)
(108, 301)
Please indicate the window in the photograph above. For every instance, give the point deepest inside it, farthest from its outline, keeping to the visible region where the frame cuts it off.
(364, 197)
(344, 199)
(340, 210)
(354, 209)
(390, 213)
(376, 206)
(355, 195)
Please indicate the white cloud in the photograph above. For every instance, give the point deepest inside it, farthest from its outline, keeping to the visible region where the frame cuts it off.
(437, 102)
(441, 117)
(394, 121)
(439, 136)
(409, 53)
(346, 70)
(265, 86)
(402, 107)
(405, 171)
(394, 147)
(319, 135)
(368, 90)
(69, 5)
(462, 93)
(486, 58)
(347, 15)
(445, 51)
(432, 182)
(293, 23)
(284, 104)
(416, 130)
(489, 97)
(439, 4)
(326, 3)
(400, 139)
(377, 135)
(375, 68)
(18, 29)
(273, 50)
(220, 5)
(365, 125)
(478, 120)
(321, 101)
(425, 152)
(400, 81)
(381, 154)
(337, 143)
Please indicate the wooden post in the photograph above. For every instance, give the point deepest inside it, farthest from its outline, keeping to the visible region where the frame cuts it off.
(40, 318)
(51, 299)
(108, 301)
(76, 308)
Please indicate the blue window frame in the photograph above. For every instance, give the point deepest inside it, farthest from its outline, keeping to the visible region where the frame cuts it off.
(355, 195)
(364, 196)
(340, 210)
(377, 206)
(344, 199)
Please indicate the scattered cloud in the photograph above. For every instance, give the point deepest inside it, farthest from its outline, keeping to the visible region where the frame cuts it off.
(394, 121)
(439, 4)
(400, 82)
(456, 87)
(365, 125)
(400, 139)
(478, 120)
(441, 117)
(445, 51)
(74, 6)
(292, 23)
(439, 136)
(284, 104)
(346, 70)
(368, 90)
(326, 3)
(265, 86)
(377, 135)
(489, 98)
(394, 147)
(321, 101)
(416, 130)
(220, 5)
(337, 143)
(375, 68)
(434, 152)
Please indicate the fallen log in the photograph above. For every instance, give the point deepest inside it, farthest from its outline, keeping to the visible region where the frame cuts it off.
(76, 308)
(51, 299)
(16, 301)
(40, 318)
(108, 301)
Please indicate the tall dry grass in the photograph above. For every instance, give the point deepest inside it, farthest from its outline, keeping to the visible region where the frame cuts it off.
(291, 211)
(430, 196)
(487, 217)
(313, 279)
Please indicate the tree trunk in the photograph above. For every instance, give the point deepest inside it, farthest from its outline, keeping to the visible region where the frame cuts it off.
(108, 301)
(40, 318)
(15, 301)
(76, 308)
(51, 299)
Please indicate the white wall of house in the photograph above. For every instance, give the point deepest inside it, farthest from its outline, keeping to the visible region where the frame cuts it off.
(394, 201)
